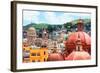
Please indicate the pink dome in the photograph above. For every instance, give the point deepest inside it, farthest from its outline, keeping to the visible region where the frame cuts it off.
(55, 57)
(85, 40)
(78, 55)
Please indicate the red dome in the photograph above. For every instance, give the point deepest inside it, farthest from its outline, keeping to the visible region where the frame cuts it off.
(78, 55)
(55, 57)
(84, 38)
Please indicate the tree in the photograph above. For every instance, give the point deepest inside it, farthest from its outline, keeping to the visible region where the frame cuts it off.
(68, 26)
(50, 29)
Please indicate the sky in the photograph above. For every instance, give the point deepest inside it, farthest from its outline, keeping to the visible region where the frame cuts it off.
(51, 17)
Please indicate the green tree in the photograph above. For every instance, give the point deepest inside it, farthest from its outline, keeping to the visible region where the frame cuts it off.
(68, 26)
(50, 29)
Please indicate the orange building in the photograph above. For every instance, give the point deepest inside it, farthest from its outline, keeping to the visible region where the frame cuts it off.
(39, 55)
(35, 55)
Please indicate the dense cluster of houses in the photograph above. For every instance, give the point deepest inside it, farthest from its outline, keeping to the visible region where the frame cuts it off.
(56, 46)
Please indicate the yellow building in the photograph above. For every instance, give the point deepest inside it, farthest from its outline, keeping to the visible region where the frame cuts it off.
(38, 55)
(34, 55)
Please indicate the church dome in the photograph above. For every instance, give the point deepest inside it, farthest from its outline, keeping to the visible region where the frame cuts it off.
(31, 29)
(84, 38)
(31, 32)
(55, 57)
(78, 55)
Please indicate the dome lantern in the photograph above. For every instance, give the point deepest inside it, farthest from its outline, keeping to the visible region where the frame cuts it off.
(80, 25)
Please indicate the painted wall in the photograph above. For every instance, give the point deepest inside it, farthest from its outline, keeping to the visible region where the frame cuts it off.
(5, 37)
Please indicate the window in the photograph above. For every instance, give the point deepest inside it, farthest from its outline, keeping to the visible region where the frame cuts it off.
(33, 54)
(27, 51)
(33, 61)
(45, 59)
(26, 57)
(44, 52)
(38, 54)
(78, 48)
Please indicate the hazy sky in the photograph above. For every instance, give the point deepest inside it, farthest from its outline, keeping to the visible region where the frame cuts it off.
(51, 17)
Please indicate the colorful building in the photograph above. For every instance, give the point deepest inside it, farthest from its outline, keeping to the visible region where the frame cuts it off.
(38, 55)
(35, 55)
(26, 54)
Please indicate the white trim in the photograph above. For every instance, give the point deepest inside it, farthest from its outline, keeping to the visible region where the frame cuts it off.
(21, 65)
